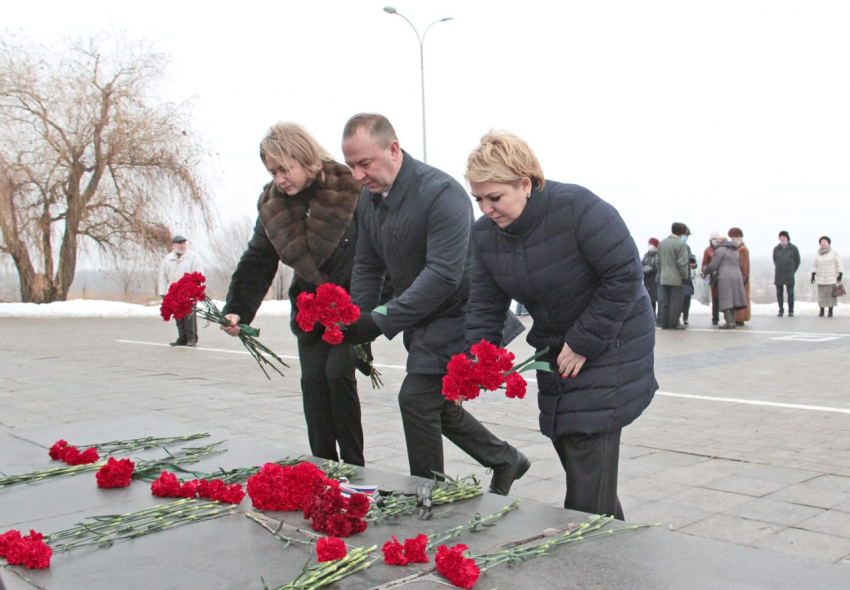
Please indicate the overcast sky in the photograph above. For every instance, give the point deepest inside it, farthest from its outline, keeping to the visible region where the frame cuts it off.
(717, 114)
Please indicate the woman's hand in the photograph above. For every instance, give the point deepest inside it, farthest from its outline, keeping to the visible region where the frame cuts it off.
(232, 329)
(569, 362)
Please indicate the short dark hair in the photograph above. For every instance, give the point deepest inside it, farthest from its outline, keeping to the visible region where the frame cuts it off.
(827, 239)
(679, 228)
(378, 126)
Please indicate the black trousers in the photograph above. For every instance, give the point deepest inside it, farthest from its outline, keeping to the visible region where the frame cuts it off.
(715, 310)
(426, 415)
(187, 328)
(591, 462)
(331, 403)
(686, 307)
(780, 297)
(671, 305)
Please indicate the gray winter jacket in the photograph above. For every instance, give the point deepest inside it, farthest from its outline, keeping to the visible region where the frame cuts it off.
(730, 281)
(570, 260)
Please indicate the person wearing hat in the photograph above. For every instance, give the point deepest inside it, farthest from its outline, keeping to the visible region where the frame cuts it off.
(714, 239)
(786, 261)
(827, 272)
(650, 272)
(176, 264)
(737, 236)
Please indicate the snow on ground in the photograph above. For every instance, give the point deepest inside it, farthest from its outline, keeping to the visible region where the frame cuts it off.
(90, 308)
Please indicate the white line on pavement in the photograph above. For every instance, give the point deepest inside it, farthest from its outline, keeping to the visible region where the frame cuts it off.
(748, 331)
(730, 400)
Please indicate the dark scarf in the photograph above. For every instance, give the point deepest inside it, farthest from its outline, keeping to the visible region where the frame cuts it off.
(305, 238)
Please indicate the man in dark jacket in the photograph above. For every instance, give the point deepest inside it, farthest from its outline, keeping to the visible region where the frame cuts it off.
(786, 260)
(414, 225)
(673, 270)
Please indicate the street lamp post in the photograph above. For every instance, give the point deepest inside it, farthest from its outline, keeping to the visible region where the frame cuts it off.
(391, 10)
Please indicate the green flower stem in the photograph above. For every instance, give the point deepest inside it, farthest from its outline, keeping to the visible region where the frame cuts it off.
(138, 444)
(108, 529)
(329, 572)
(276, 531)
(435, 539)
(452, 490)
(531, 360)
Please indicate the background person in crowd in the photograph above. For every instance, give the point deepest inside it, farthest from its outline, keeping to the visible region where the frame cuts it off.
(598, 325)
(786, 261)
(827, 271)
(688, 286)
(650, 272)
(707, 255)
(307, 220)
(673, 270)
(414, 224)
(176, 264)
(737, 236)
(730, 281)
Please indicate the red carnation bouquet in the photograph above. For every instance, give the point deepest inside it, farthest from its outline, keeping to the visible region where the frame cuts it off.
(331, 308)
(29, 550)
(62, 451)
(190, 291)
(488, 367)
(168, 486)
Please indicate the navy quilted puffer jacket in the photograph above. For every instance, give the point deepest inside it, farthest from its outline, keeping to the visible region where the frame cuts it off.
(570, 259)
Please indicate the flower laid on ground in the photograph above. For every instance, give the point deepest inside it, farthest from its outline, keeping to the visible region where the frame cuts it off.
(440, 493)
(330, 549)
(455, 565)
(62, 451)
(489, 367)
(330, 307)
(189, 291)
(105, 530)
(168, 486)
(331, 512)
(30, 550)
(115, 474)
(283, 487)
(413, 551)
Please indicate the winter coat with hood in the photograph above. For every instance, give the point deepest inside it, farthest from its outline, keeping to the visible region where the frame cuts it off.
(570, 260)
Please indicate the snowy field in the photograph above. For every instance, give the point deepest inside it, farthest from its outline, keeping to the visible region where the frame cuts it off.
(91, 308)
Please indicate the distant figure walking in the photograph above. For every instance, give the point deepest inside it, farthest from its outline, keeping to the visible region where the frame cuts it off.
(176, 264)
(730, 281)
(827, 271)
(786, 261)
(673, 269)
(737, 236)
(707, 256)
(650, 272)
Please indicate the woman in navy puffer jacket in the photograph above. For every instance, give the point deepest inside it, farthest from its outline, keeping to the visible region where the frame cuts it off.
(567, 256)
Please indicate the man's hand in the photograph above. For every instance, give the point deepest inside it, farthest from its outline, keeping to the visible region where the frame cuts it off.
(363, 330)
(232, 329)
(569, 362)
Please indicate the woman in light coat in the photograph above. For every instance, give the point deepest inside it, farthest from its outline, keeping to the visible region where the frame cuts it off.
(730, 282)
(827, 272)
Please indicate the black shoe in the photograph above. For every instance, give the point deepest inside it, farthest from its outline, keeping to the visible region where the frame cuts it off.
(782, 313)
(727, 326)
(178, 343)
(504, 477)
(686, 322)
(192, 344)
(820, 315)
(678, 327)
(791, 313)
(830, 313)
(739, 323)
(715, 322)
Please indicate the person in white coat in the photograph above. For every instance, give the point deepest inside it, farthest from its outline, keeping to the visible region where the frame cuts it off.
(827, 272)
(176, 264)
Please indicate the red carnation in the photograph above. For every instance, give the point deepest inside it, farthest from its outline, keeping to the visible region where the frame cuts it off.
(115, 474)
(333, 335)
(283, 488)
(202, 487)
(394, 552)
(8, 539)
(330, 549)
(330, 307)
(221, 492)
(29, 551)
(182, 296)
(74, 457)
(414, 549)
(460, 570)
(166, 486)
(58, 450)
(516, 385)
(358, 506)
(339, 525)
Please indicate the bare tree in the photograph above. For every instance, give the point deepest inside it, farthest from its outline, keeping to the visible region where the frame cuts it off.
(88, 151)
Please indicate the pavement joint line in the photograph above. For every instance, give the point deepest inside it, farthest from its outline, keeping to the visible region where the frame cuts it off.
(752, 402)
(748, 331)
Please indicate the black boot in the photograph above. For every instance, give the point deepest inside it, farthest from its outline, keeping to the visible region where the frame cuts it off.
(820, 315)
(830, 312)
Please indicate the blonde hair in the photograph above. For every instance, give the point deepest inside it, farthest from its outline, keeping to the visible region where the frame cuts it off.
(293, 141)
(503, 157)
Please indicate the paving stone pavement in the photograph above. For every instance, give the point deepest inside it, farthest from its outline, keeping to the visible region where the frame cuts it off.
(748, 440)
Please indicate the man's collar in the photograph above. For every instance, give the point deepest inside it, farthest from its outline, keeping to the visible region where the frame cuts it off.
(401, 183)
